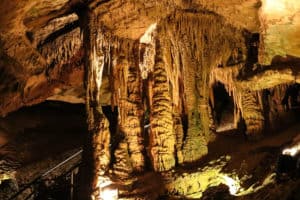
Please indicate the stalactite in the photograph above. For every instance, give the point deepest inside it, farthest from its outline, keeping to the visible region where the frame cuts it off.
(248, 105)
(193, 44)
(62, 48)
(147, 59)
(279, 107)
(147, 51)
(227, 76)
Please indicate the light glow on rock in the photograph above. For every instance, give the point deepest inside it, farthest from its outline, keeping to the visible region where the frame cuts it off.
(234, 185)
(147, 62)
(192, 185)
(236, 189)
(275, 5)
(109, 194)
(292, 151)
(281, 25)
(148, 36)
(105, 189)
(98, 65)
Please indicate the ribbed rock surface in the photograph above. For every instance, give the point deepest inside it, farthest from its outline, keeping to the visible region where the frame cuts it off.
(97, 146)
(123, 166)
(131, 113)
(160, 58)
(192, 43)
(252, 113)
(162, 136)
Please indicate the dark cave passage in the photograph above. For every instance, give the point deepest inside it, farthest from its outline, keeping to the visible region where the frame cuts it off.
(38, 138)
(223, 108)
(111, 113)
(291, 99)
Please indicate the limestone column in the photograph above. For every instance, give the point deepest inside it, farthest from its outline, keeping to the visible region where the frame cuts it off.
(96, 154)
(131, 115)
(162, 136)
(252, 113)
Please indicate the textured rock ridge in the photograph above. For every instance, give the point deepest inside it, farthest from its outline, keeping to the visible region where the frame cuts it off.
(155, 64)
(162, 137)
(189, 43)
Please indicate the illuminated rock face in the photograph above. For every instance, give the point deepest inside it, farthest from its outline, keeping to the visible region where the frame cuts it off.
(156, 64)
(281, 21)
(162, 136)
(175, 93)
(97, 147)
(189, 61)
(131, 112)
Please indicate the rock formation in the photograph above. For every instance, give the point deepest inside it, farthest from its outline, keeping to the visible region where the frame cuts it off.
(156, 63)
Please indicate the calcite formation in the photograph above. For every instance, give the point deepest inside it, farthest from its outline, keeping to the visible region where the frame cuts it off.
(162, 136)
(156, 64)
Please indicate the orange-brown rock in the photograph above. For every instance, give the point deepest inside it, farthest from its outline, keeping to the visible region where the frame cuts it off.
(162, 136)
(130, 108)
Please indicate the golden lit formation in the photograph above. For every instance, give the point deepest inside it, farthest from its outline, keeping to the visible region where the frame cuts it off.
(183, 99)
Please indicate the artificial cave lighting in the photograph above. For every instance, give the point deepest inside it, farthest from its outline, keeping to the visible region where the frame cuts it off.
(280, 9)
(106, 189)
(108, 194)
(275, 6)
(147, 38)
(234, 185)
(292, 151)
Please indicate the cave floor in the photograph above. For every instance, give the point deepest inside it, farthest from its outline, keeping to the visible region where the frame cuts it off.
(37, 138)
(253, 160)
(34, 139)
(259, 160)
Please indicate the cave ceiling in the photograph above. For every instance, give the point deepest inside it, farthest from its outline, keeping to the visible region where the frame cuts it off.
(41, 41)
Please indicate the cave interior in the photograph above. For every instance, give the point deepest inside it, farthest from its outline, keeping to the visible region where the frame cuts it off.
(136, 99)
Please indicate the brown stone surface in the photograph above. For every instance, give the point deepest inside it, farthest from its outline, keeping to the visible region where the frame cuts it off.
(162, 136)
(154, 62)
(130, 108)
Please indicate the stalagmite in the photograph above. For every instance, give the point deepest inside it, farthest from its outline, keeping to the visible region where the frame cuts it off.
(122, 166)
(131, 113)
(169, 86)
(178, 130)
(162, 137)
(252, 113)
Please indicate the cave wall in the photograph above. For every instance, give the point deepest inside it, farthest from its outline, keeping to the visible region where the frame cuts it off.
(164, 76)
